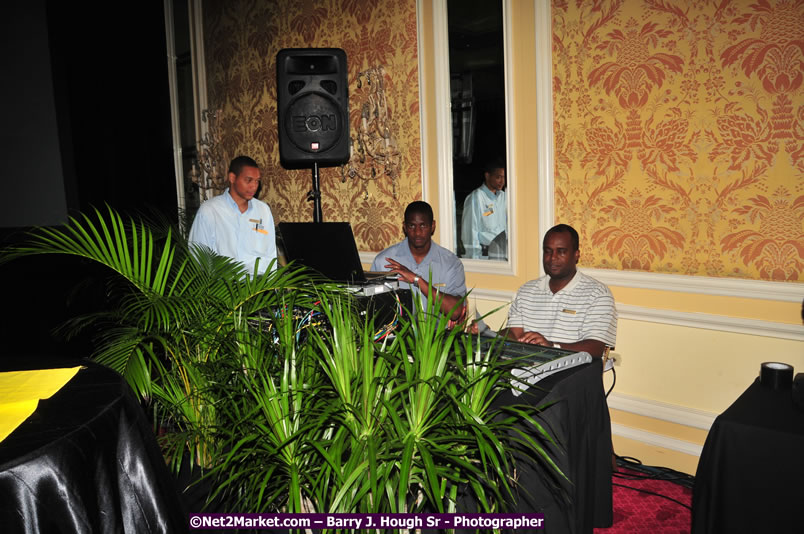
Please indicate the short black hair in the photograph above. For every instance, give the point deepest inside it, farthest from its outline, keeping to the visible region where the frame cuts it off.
(494, 164)
(237, 164)
(419, 207)
(561, 228)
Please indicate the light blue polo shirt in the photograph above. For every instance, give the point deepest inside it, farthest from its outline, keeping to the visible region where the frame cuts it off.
(446, 268)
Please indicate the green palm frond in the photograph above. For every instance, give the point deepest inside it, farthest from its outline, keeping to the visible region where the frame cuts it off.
(127, 248)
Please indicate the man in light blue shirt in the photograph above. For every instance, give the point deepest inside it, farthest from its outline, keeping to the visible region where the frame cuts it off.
(235, 224)
(485, 213)
(418, 261)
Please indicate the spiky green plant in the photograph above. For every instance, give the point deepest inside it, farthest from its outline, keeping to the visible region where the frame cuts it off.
(276, 386)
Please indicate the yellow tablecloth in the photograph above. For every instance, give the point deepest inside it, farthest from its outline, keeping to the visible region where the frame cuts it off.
(20, 392)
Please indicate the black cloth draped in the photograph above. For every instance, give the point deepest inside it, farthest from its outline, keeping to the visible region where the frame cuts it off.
(87, 461)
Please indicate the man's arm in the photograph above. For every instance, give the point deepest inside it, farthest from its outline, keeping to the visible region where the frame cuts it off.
(268, 256)
(517, 333)
(454, 284)
(448, 302)
(594, 347)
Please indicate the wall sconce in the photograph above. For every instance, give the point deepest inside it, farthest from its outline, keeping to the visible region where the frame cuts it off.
(212, 173)
(373, 152)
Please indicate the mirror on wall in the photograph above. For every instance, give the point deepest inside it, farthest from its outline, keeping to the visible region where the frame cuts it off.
(477, 91)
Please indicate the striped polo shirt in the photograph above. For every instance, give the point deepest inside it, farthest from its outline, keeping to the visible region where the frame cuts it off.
(583, 309)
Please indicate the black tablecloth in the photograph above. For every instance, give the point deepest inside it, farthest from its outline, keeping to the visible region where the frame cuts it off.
(750, 475)
(578, 419)
(87, 461)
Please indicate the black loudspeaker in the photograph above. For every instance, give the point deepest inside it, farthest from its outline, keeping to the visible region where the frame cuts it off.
(312, 97)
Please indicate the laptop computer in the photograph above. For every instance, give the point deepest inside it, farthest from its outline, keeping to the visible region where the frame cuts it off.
(330, 249)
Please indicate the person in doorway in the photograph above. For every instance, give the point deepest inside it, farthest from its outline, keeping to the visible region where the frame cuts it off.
(485, 215)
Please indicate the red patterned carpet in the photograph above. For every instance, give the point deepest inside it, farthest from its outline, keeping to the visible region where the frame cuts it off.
(650, 500)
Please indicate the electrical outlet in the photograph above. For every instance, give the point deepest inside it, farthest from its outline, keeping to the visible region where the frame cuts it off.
(617, 357)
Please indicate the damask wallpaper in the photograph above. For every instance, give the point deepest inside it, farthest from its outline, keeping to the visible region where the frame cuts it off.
(679, 134)
(679, 125)
(242, 38)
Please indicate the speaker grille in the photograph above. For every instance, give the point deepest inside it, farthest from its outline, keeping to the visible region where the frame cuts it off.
(330, 86)
(295, 86)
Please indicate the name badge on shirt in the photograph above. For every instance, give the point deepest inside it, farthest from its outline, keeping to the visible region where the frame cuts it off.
(489, 210)
(571, 312)
(258, 227)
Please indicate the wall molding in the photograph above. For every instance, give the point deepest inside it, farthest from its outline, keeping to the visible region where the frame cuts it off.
(545, 164)
(706, 285)
(175, 126)
(424, 154)
(199, 69)
(661, 410)
(367, 258)
(657, 440)
(759, 289)
(443, 122)
(706, 321)
(502, 295)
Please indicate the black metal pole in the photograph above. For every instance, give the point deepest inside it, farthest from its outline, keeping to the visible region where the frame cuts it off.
(315, 194)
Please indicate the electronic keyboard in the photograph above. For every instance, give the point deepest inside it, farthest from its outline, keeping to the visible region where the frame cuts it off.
(533, 362)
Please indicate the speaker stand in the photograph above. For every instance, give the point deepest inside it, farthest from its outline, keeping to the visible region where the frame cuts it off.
(315, 194)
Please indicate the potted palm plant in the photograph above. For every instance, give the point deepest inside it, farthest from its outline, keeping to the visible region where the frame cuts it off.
(281, 392)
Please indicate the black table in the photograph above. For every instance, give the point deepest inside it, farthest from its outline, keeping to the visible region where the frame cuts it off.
(578, 419)
(87, 461)
(750, 475)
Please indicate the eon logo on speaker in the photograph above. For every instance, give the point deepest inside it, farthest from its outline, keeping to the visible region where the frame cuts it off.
(314, 123)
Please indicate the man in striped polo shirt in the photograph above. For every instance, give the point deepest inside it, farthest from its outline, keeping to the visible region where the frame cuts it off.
(565, 308)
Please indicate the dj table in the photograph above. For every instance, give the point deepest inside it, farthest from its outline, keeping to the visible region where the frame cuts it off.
(577, 417)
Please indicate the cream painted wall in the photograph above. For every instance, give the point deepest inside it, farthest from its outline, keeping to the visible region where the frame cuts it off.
(694, 367)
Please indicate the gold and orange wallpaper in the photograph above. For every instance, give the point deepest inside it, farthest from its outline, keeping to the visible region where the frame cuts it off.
(679, 125)
(679, 134)
(242, 38)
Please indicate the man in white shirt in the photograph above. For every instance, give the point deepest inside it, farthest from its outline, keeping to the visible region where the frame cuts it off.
(235, 224)
(485, 213)
(565, 308)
